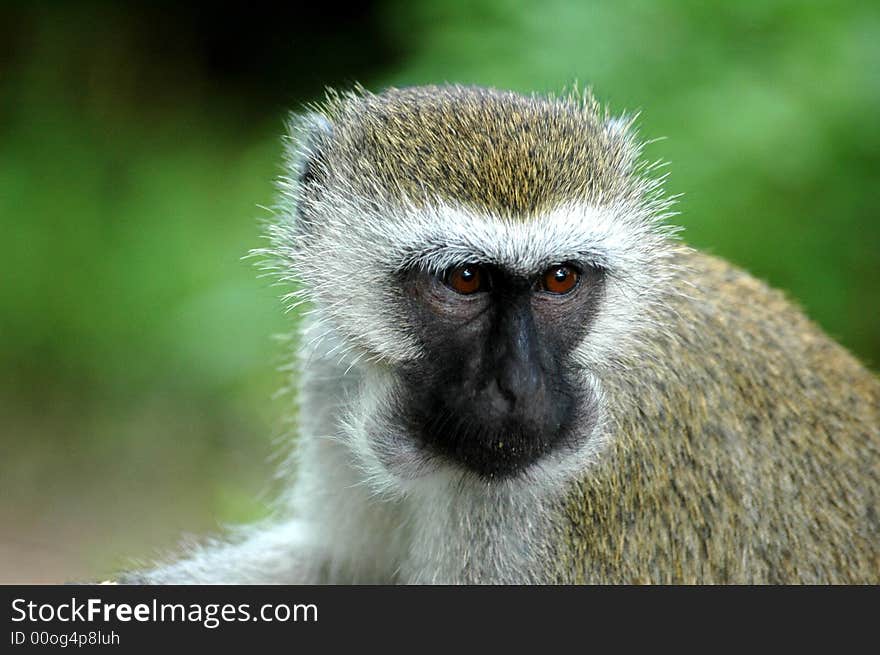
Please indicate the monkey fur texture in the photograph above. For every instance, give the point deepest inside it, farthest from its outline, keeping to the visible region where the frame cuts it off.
(713, 434)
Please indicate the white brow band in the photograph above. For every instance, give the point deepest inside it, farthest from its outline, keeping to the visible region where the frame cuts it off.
(455, 236)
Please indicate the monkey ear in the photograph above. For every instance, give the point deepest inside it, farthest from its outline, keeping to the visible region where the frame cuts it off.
(311, 134)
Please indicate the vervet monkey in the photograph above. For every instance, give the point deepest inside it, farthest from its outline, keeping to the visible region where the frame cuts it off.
(513, 372)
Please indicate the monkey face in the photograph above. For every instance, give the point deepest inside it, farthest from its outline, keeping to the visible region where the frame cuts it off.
(495, 389)
(480, 261)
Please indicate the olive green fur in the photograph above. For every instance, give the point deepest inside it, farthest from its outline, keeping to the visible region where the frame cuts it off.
(497, 152)
(745, 449)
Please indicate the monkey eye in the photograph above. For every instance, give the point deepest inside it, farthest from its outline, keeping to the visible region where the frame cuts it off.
(559, 279)
(466, 279)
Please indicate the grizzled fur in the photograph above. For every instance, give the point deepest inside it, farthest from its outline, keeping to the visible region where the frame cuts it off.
(731, 441)
(746, 449)
(426, 143)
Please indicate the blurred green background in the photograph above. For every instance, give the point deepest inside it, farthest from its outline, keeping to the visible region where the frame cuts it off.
(137, 143)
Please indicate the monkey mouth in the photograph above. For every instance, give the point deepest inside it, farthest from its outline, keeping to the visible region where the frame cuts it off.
(494, 447)
(492, 452)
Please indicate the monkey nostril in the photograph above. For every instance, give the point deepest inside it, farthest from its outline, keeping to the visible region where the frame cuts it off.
(518, 385)
(506, 390)
(500, 399)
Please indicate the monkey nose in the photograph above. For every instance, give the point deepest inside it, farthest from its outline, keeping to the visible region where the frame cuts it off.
(519, 382)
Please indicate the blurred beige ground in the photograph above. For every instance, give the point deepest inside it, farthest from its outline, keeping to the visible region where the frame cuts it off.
(69, 514)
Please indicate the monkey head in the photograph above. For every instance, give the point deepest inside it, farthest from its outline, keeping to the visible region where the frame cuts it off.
(480, 260)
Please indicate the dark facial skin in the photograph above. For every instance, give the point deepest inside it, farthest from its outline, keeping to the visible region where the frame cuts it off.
(494, 392)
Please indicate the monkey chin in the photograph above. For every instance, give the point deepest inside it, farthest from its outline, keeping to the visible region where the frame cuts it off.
(396, 462)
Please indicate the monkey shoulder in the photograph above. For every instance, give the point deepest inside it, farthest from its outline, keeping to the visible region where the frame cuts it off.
(743, 446)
